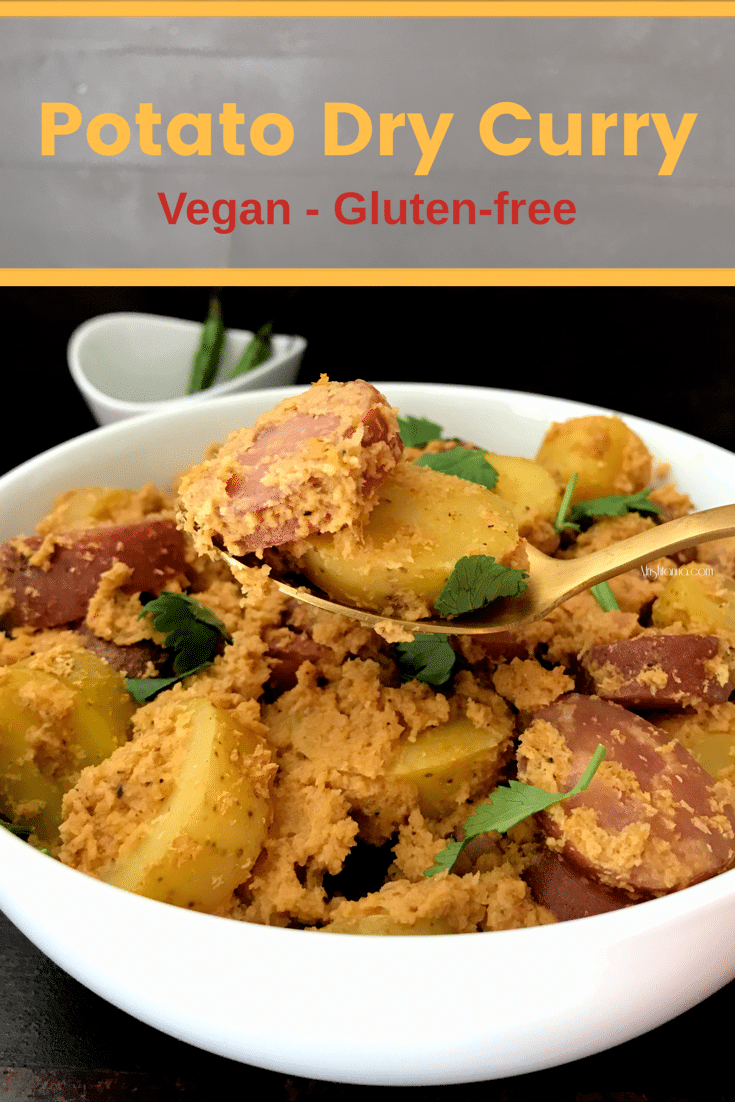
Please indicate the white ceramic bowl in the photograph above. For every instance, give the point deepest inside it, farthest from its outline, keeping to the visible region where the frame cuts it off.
(372, 1010)
(125, 364)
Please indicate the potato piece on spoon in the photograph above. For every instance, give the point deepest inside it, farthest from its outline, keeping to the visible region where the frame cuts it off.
(312, 464)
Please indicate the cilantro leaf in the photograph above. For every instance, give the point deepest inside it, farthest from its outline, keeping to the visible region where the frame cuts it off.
(417, 432)
(145, 688)
(445, 858)
(615, 505)
(467, 463)
(508, 805)
(428, 658)
(192, 630)
(476, 581)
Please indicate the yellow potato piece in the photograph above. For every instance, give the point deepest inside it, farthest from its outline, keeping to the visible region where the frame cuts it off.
(527, 486)
(608, 456)
(86, 507)
(208, 834)
(452, 759)
(423, 523)
(59, 712)
(714, 750)
(697, 602)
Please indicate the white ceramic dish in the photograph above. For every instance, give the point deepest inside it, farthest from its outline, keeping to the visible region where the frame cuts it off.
(385, 1011)
(126, 364)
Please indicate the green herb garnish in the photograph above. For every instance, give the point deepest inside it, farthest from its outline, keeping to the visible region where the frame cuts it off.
(145, 688)
(193, 633)
(206, 360)
(604, 596)
(468, 463)
(24, 832)
(615, 505)
(417, 432)
(476, 581)
(561, 521)
(428, 658)
(508, 805)
(15, 828)
(257, 351)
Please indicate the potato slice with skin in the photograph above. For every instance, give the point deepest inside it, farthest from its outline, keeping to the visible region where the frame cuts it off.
(452, 758)
(659, 671)
(568, 893)
(652, 820)
(59, 712)
(311, 464)
(607, 455)
(58, 591)
(205, 839)
(423, 523)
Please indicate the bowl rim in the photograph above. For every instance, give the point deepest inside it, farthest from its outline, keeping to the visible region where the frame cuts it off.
(175, 406)
(296, 346)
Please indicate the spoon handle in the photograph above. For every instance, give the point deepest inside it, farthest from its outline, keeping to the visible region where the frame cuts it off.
(664, 539)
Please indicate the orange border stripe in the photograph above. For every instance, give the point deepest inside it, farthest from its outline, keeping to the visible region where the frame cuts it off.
(406, 9)
(367, 277)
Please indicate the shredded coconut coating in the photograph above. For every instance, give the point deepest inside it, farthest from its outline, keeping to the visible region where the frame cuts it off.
(333, 713)
(312, 464)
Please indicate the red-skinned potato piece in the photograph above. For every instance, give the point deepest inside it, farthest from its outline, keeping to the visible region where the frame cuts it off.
(131, 660)
(310, 465)
(659, 671)
(565, 891)
(652, 820)
(58, 592)
(289, 656)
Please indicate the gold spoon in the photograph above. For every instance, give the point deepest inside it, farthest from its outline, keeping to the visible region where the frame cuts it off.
(551, 581)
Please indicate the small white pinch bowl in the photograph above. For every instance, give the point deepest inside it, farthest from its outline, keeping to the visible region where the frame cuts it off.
(383, 1011)
(125, 364)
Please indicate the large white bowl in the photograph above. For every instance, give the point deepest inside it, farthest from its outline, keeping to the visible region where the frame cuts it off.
(373, 1010)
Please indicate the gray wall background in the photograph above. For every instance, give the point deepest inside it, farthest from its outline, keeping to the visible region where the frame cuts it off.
(82, 210)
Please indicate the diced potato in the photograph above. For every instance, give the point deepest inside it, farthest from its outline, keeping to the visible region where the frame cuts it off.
(452, 759)
(59, 712)
(423, 523)
(527, 486)
(697, 602)
(207, 835)
(86, 507)
(607, 455)
(709, 736)
(383, 925)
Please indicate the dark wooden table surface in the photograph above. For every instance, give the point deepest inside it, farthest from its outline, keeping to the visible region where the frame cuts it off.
(663, 354)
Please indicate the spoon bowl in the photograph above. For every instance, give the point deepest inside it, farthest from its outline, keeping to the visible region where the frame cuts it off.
(550, 582)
